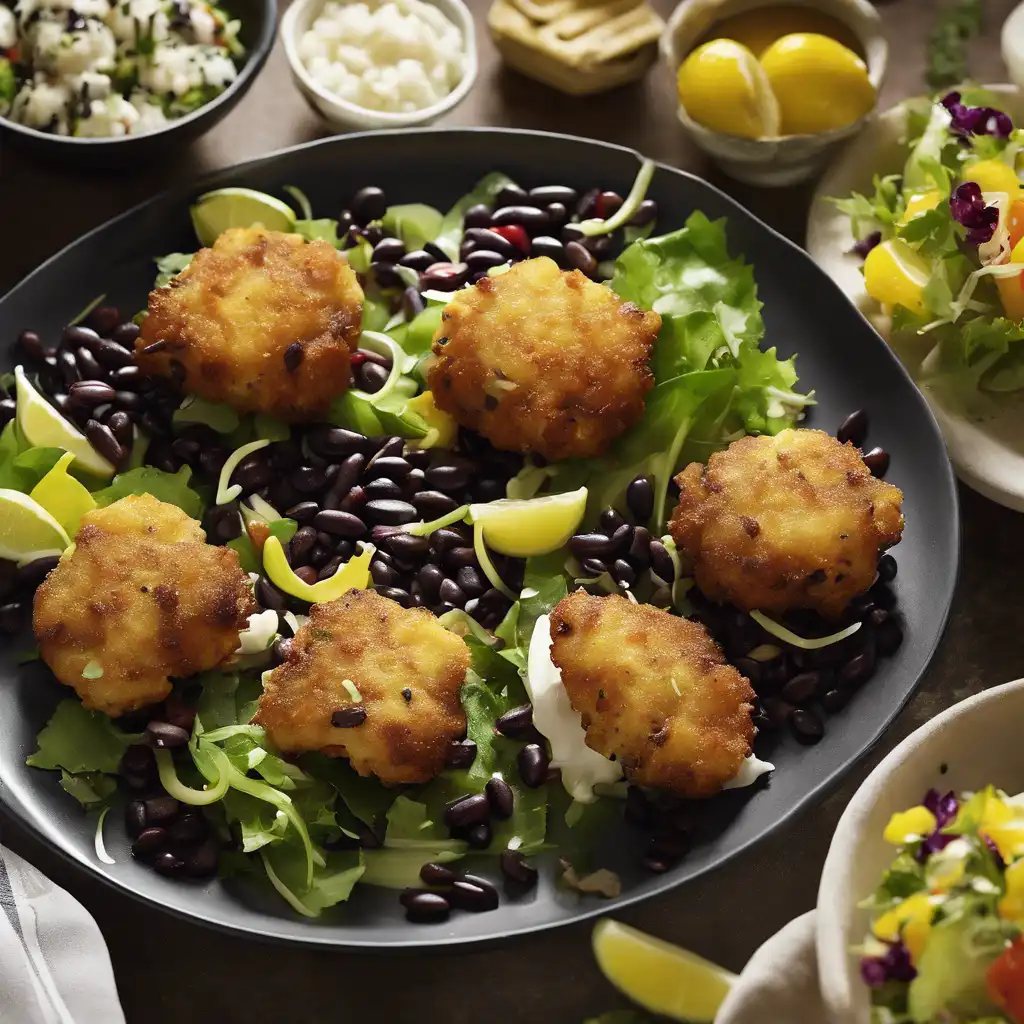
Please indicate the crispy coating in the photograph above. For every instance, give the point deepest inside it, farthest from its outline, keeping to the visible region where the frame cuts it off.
(142, 596)
(378, 648)
(228, 320)
(540, 360)
(654, 691)
(791, 521)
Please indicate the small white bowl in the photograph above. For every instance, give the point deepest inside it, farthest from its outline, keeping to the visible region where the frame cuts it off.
(969, 746)
(1012, 44)
(791, 158)
(346, 116)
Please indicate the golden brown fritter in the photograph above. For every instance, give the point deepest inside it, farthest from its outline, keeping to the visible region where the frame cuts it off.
(655, 691)
(541, 360)
(791, 521)
(140, 597)
(364, 651)
(263, 321)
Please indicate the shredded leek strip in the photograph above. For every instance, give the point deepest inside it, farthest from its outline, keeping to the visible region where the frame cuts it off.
(425, 529)
(100, 846)
(196, 797)
(293, 901)
(254, 732)
(798, 641)
(224, 492)
(484, 558)
(625, 212)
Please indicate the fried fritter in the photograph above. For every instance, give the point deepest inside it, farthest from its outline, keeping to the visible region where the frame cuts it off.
(791, 521)
(400, 665)
(541, 360)
(138, 598)
(654, 691)
(263, 321)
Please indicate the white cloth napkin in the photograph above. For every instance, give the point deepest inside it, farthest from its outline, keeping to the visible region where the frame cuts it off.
(54, 965)
(779, 985)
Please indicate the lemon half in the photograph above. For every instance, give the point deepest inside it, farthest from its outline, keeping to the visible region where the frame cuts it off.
(820, 85)
(722, 86)
(895, 274)
(660, 977)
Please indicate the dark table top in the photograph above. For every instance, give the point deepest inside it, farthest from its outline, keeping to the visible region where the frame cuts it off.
(168, 970)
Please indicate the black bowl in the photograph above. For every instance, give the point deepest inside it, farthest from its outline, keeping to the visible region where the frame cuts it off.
(259, 26)
(841, 357)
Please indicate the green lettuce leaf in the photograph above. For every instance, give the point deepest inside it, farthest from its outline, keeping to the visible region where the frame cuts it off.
(91, 789)
(486, 190)
(880, 211)
(333, 883)
(79, 740)
(23, 470)
(364, 797)
(170, 487)
(414, 223)
(169, 266)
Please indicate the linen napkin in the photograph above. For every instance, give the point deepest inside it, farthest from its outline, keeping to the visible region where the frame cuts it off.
(54, 965)
(779, 985)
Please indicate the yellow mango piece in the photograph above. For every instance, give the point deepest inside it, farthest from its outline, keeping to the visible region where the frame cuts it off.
(906, 826)
(1011, 906)
(920, 202)
(993, 176)
(911, 920)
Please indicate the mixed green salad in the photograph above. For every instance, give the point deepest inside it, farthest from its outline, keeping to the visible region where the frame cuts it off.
(942, 245)
(311, 826)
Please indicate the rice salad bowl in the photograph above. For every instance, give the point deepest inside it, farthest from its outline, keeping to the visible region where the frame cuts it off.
(96, 69)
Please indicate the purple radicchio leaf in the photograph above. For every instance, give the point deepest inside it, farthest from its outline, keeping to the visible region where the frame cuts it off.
(944, 807)
(896, 965)
(969, 121)
(969, 209)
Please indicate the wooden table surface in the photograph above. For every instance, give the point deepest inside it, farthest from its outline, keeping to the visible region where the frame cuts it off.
(168, 970)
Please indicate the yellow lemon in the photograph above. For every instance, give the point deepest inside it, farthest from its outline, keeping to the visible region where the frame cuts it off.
(895, 274)
(759, 28)
(722, 87)
(660, 977)
(920, 202)
(819, 84)
(993, 176)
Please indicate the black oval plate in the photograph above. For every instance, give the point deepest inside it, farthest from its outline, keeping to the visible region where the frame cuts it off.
(841, 357)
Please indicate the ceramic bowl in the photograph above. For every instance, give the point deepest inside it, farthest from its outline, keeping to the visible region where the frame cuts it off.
(345, 116)
(972, 744)
(985, 444)
(791, 158)
(1012, 44)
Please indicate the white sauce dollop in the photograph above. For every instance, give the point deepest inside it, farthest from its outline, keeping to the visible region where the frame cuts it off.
(553, 715)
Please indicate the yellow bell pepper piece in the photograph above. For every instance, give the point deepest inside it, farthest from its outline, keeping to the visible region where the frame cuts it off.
(920, 202)
(442, 427)
(994, 176)
(911, 921)
(63, 496)
(353, 575)
(1011, 906)
(906, 826)
(1011, 289)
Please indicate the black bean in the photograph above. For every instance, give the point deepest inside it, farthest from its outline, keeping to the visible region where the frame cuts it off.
(137, 759)
(396, 594)
(427, 908)
(202, 862)
(161, 810)
(481, 260)
(461, 754)
(471, 897)
(661, 562)
(103, 319)
(516, 722)
(451, 592)
(536, 221)
(623, 573)
(857, 670)
(479, 837)
(31, 574)
(393, 467)
(429, 579)
(532, 762)
(339, 524)
(434, 504)
(591, 545)
(111, 355)
(457, 558)
(445, 277)
(807, 725)
(282, 648)
(501, 797)
(877, 460)
(610, 521)
(406, 546)
(30, 345)
(545, 245)
(580, 258)
(646, 212)
(388, 250)
(640, 498)
(593, 567)
(127, 378)
(134, 817)
(670, 846)
(450, 475)
(368, 204)
(384, 575)
(149, 842)
(419, 260)
(478, 216)
(189, 828)
(253, 474)
(125, 334)
(186, 449)
(511, 195)
(389, 512)
(436, 874)
(887, 569)
(301, 544)
(448, 537)
(293, 356)
(304, 512)
(854, 429)
(622, 538)
(307, 479)
(517, 870)
(167, 863)
(306, 573)
(87, 365)
(470, 581)
(484, 238)
(76, 335)
(371, 377)
(640, 547)
(467, 810)
(333, 442)
(888, 637)
(412, 303)
(801, 687)
(121, 425)
(68, 367)
(101, 437)
(383, 488)
(269, 596)
(165, 736)
(544, 194)
(835, 700)
(349, 718)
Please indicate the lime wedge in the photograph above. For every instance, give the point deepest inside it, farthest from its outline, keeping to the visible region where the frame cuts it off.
(64, 497)
(533, 526)
(41, 426)
(226, 208)
(27, 530)
(660, 977)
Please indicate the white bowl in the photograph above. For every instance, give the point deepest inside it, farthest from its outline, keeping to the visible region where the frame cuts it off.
(970, 745)
(346, 116)
(1012, 41)
(986, 449)
(791, 158)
